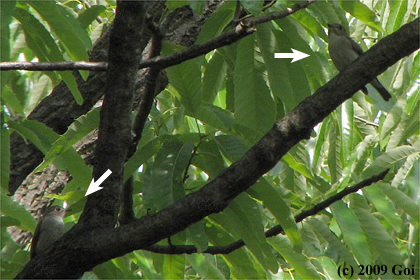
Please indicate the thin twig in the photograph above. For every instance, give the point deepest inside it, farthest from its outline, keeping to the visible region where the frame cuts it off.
(190, 249)
(242, 30)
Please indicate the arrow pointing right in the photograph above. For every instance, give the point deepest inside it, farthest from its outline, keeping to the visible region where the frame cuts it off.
(296, 55)
(94, 186)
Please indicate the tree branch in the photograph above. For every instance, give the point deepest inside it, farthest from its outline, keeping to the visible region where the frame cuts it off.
(54, 66)
(114, 137)
(190, 249)
(242, 30)
(75, 253)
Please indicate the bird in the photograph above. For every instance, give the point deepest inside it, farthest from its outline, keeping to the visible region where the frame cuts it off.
(49, 229)
(343, 51)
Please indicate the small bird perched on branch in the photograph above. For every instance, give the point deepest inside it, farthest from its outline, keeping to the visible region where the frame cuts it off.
(49, 229)
(343, 51)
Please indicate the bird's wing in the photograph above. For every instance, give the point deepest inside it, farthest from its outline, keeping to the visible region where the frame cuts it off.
(356, 47)
(35, 239)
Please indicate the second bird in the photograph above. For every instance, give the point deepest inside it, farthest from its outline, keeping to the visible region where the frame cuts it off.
(343, 51)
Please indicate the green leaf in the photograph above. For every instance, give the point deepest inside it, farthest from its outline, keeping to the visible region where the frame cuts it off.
(240, 262)
(353, 233)
(204, 268)
(38, 133)
(14, 210)
(384, 207)
(244, 221)
(63, 22)
(76, 131)
(81, 173)
(254, 106)
(12, 102)
(362, 12)
(297, 166)
(209, 158)
(146, 265)
(174, 4)
(393, 118)
(308, 74)
(89, 15)
(6, 221)
(300, 263)
(402, 201)
(213, 77)
(41, 42)
(329, 267)
(186, 79)
(197, 5)
(5, 19)
(217, 22)
(333, 240)
(377, 236)
(334, 161)
(214, 116)
(141, 156)
(197, 236)
(173, 267)
(232, 147)
(404, 170)
(388, 159)
(271, 199)
(253, 6)
(163, 178)
(397, 11)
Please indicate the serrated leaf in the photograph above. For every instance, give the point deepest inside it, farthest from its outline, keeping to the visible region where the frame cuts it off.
(253, 6)
(76, 131)
(64, 24)
(214, 116)
(300, 263)
(388, 159)
(386, 208)
(402, 201)
(141, 156)
(254, 106)
(163, 178)
(378, 237)
(15, 210)
(41, 42)
(297, 166)
(197, 236)
(362, 12)
(279, 208)
(186, 79)
(353, 233)
(173, 267)
(89, 15)
(213, 77)
(232, 147)
(38, 133)
(333, 240)
(243, 219)
(205, 269)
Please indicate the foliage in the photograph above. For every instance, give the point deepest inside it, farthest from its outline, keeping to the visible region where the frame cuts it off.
(213, 110)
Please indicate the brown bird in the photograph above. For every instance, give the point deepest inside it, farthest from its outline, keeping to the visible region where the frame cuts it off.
(343, 51)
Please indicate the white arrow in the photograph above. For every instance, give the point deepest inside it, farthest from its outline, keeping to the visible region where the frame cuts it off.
(94, 186)
(296, 55)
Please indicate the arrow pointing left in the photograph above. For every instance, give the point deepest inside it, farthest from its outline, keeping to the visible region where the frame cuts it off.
(94, 186)
(296, 55)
